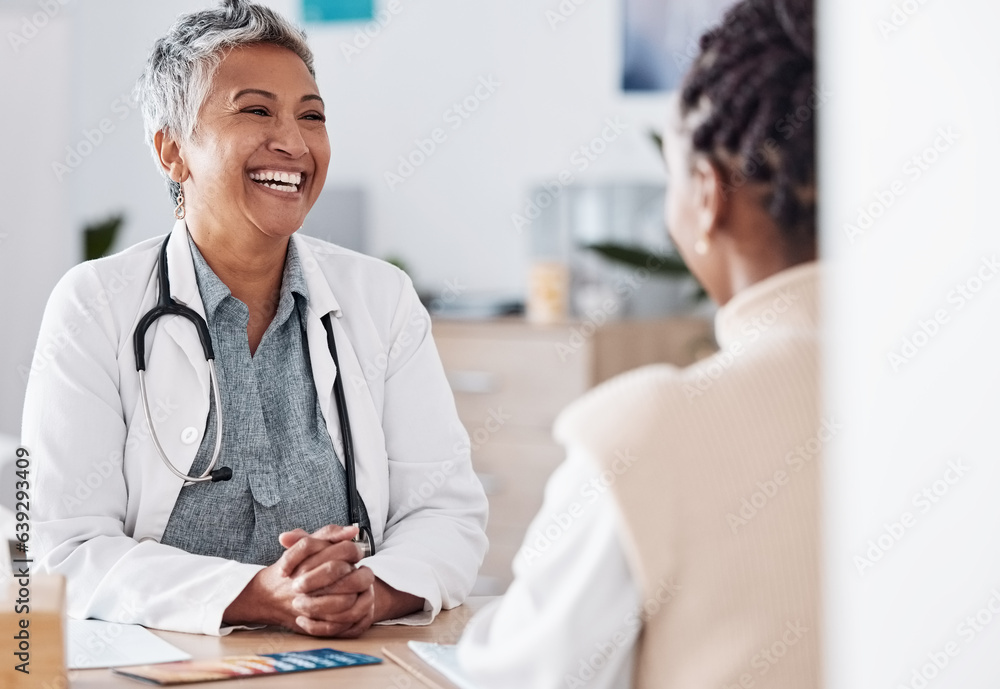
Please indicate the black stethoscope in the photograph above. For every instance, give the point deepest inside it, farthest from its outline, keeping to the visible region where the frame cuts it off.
(168, 307)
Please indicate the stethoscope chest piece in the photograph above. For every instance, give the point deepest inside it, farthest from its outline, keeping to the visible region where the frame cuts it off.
(364, 541)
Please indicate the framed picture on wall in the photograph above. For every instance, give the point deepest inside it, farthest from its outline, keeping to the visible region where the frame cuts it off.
(661, 40)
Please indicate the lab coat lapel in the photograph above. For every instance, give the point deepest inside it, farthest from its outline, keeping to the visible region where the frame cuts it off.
(321, 302)
(366, 426)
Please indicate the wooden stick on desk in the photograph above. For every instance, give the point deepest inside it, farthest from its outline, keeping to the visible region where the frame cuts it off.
(409, 668)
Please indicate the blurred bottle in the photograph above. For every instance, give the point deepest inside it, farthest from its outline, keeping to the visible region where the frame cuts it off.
(548, 292)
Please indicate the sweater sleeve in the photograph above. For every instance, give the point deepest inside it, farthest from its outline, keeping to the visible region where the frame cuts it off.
(572, 615)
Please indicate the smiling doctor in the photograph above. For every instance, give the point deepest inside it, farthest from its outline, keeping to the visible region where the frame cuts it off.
(296, 401)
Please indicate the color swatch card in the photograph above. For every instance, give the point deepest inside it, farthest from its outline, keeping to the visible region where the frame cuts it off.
(245, 666)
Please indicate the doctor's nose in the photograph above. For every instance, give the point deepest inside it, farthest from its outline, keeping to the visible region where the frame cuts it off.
(287, 138)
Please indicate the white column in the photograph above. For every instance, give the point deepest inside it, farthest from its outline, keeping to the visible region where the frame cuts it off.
(910, 179)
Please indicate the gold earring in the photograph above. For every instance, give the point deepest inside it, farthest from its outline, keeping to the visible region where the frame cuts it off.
(180, 211)
(701, 246)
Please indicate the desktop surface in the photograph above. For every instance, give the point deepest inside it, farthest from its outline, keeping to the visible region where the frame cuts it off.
(446, 629)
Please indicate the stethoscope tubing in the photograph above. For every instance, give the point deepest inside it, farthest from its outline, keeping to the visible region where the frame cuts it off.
(347, 438)
(207, 475)
(167, 306)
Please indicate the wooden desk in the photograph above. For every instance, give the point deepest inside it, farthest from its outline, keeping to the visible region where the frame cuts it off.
(447, 628)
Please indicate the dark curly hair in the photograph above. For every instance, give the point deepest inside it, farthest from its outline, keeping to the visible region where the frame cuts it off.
(752, 93)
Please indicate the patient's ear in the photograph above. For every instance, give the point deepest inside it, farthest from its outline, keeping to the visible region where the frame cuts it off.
(711, 203)
(168, 152)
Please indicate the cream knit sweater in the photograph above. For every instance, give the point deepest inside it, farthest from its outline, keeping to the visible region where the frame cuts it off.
(719, 492)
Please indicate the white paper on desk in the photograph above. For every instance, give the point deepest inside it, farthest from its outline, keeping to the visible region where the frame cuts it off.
(444, 659)
(421, 618)
(96, 644)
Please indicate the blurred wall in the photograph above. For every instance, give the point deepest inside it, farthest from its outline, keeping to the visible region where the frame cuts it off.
(910, 145)
(36, 243)
(553, 84)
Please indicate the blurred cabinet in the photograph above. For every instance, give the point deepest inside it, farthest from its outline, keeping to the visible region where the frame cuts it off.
(511, 379)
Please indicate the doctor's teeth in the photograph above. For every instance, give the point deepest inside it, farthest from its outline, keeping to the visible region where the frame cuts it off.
(282, 187)
(272, 176)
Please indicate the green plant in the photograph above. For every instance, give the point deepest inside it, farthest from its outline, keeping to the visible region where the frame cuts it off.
(657, 140)
(99, 237)
(663, 265)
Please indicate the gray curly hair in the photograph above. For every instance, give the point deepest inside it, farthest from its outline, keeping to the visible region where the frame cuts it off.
(179, 72)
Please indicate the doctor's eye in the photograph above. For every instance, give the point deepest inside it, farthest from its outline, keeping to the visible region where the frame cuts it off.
(257, 111)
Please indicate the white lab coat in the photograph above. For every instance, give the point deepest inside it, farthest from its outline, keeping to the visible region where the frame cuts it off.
(102, 496)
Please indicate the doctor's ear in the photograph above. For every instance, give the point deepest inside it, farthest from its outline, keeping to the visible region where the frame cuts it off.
(168, 152)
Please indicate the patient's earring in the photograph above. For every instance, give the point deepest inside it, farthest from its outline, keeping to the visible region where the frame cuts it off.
(701, 246)
(180, 211)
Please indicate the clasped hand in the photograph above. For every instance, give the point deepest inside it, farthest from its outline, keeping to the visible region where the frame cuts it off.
(314, 588)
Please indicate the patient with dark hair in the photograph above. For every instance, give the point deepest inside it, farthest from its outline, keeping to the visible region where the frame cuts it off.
(687, 510)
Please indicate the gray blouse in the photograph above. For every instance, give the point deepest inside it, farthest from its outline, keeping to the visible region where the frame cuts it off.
(286, 474)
